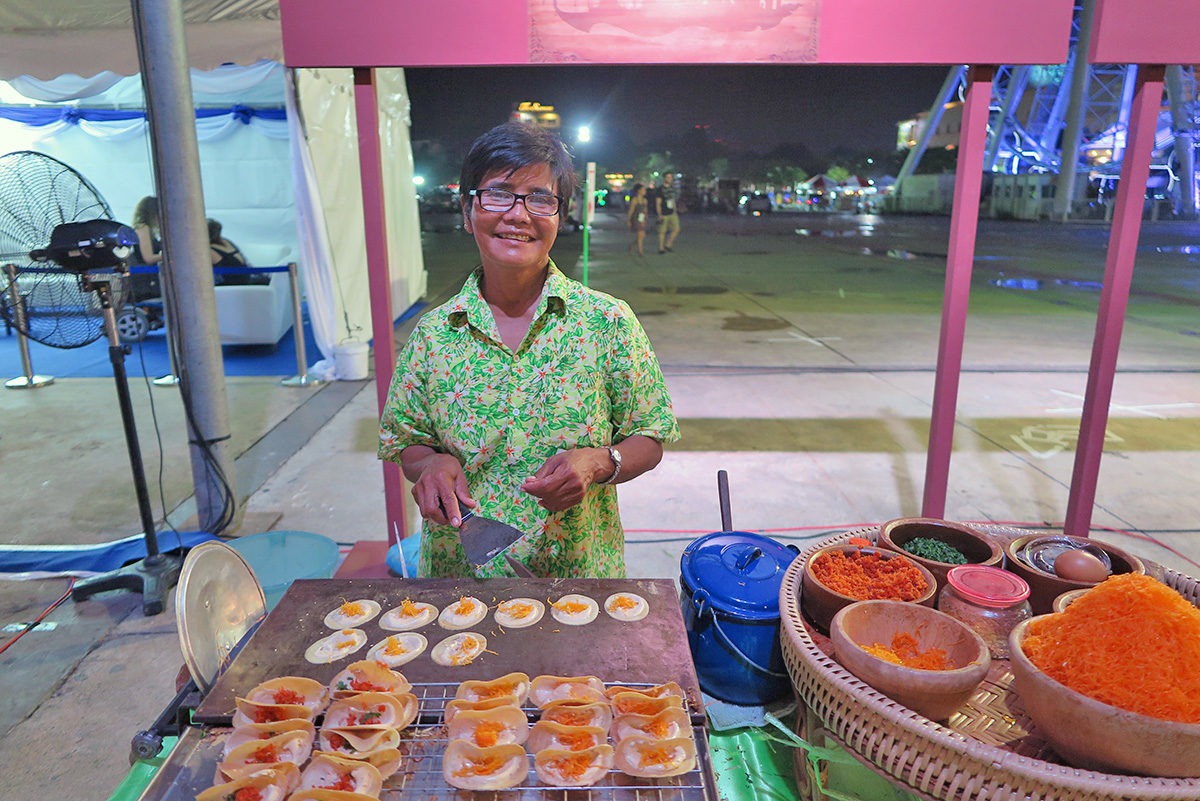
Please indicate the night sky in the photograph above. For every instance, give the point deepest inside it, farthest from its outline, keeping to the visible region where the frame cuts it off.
(752, 108)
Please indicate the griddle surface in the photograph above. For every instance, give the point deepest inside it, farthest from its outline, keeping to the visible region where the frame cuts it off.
(650, 651)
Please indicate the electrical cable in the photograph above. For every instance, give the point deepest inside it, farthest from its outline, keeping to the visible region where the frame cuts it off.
(32, 625)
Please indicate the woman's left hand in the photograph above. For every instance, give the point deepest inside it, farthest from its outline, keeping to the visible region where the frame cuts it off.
(562, 480)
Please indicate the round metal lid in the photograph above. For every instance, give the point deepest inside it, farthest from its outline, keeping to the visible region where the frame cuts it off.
(218, 601)
(740, 571)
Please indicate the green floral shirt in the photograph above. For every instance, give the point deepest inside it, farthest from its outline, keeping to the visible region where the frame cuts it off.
(585, 376)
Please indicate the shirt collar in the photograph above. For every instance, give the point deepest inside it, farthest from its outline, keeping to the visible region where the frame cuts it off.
(468, 306)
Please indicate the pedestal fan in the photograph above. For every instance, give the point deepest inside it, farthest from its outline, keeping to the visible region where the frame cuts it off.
(70, 260)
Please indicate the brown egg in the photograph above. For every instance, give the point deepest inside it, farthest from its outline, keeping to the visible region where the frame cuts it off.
(1079, 566)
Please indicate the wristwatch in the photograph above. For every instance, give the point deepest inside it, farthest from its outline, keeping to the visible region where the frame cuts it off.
(615, 455)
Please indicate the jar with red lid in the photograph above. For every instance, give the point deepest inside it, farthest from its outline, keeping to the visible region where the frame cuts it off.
(989, 600)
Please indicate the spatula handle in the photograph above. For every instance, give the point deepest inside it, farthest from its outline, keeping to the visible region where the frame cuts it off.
(723, 495)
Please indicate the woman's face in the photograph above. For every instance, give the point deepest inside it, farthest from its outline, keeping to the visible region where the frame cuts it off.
(513, 239)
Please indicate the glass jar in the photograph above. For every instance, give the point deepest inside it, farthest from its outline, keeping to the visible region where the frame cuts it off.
(988, 600)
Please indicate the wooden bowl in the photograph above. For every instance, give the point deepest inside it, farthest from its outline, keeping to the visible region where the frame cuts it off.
(936, 694)
(821, 603)
(977, 547)
(1067, 598)
(1045, 587)
(1094, 735)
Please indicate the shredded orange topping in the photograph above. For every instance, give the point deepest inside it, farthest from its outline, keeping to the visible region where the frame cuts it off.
(248, 794)
(345, 781)
(576, 741)
(352, 609)
(366, 686)
(395, 647)
(516, 609)
(464, 606)
(865, 575)
(904, 651)
(466, 651)
(623, 602)
(337, 742)
(637, 705)
(568, 716)
(658, 727)
(657, 755)
(268, 714)
(488, 733)
(571, 607)
(287, 696)
(488, 691)
(1131, 641)
(570, 767)
(264, 755)
(409, 609)
(486, 766)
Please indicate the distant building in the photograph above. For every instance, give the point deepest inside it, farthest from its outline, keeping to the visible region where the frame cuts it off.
(945, 136)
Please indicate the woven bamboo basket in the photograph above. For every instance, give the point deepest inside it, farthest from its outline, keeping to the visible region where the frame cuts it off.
(988, 751)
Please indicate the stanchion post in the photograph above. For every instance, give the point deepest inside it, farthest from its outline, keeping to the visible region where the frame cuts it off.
(29, 380)
(301, 378)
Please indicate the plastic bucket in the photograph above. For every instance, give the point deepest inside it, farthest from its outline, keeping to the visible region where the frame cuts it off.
(730, 584)
(350, 360)
(280, 557)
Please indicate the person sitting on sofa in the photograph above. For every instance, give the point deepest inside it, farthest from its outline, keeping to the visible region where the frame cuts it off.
(226, 254)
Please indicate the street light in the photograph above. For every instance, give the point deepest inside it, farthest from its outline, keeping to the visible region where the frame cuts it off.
(585, 134)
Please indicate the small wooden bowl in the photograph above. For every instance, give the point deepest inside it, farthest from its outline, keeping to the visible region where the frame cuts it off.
(936, 694)
(1067, 598)
(1094, 735)
(1045, 587)
(821, 603)
(977, 547)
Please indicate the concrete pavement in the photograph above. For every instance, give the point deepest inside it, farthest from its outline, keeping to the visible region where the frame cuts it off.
(800, 354)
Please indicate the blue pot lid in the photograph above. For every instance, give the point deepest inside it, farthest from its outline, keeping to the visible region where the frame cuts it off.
(740, 572)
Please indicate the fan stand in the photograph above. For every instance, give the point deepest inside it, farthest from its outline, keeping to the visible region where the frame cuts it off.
(157, 573)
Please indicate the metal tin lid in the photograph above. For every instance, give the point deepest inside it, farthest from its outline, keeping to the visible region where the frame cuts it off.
(988, 586)
(218, 601)
(740, 572)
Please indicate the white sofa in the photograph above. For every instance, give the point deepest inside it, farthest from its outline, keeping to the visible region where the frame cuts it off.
(256, 314)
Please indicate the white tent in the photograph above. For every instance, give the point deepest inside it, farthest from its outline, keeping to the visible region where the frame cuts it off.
(287, 190)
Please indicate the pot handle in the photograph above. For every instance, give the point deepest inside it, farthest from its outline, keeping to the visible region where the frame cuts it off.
(728, 643)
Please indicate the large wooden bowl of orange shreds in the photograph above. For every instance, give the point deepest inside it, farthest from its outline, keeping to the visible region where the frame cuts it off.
(838, 575)
(1113, 681)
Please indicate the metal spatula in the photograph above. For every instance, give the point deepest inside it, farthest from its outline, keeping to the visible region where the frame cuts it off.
(483, 539)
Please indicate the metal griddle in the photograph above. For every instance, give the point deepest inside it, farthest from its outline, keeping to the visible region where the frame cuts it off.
(650, 651)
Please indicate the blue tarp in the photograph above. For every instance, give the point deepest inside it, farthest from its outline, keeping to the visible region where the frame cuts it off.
(79, 559)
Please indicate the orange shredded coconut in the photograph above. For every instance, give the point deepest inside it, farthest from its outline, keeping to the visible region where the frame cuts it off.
(576, 741)
(1131, 641)
(657, 755)
(637, 705)
(409, 609)
(248, 794)
(517, 609)
(488, 733)
(904, 651)
(264, 755)
(352, 609)
(659, 727)
(570, 607)
(570, 717)
(285, 695)
(623, 602)
(573, 766)
(865, 575)
(485, 766)
(464, 606)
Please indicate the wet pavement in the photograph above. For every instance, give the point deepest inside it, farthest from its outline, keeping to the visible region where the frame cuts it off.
(800, 352)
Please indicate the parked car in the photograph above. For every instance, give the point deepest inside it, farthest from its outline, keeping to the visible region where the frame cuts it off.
(756, 204)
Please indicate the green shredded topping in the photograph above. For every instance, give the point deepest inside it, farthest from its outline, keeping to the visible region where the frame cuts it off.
(938, 551)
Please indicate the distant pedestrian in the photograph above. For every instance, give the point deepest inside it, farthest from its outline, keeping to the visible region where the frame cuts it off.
(667, 207)
(639, 210)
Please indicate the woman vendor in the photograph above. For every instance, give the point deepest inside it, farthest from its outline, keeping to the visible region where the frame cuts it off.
(527, 396)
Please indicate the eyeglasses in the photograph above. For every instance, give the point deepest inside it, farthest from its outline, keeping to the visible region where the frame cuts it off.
(539, 203)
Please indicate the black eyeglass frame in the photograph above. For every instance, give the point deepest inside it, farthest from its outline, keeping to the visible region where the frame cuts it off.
(478, 195)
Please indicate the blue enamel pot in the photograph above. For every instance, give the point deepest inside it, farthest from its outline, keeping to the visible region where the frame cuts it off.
(729, 591)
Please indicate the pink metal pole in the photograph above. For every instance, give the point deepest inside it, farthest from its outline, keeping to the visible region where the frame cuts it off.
(370, 162)
(964, 222)
(1114, 297)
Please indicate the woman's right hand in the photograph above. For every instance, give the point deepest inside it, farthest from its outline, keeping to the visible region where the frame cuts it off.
(439, 487)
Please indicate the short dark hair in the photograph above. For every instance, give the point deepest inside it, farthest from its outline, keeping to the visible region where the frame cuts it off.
(512, 146)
